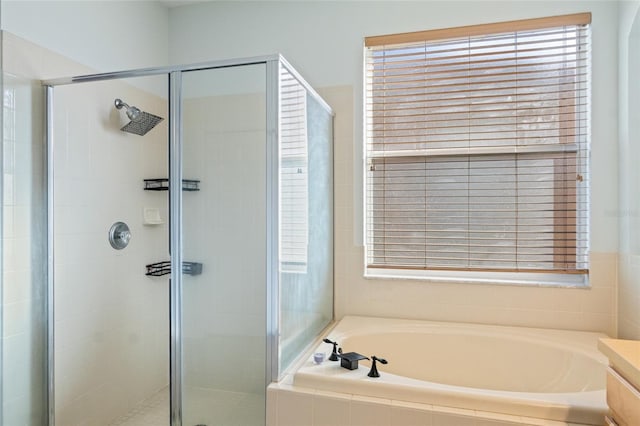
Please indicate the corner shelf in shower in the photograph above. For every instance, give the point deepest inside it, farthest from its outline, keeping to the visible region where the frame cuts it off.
(159, 269)
(162, 184)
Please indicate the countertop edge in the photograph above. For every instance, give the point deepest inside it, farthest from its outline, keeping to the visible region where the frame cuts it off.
(624, 357)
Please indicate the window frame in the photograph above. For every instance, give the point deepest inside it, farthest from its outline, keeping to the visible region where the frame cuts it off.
(578, 278)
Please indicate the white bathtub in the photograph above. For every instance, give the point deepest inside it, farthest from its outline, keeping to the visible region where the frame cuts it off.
(544, 374)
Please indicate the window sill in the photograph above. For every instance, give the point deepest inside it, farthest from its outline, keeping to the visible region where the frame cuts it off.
(490, 278)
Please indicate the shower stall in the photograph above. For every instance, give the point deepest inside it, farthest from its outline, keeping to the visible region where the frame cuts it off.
(190, 240)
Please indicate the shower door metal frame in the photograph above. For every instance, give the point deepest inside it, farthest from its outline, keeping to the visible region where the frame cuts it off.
(175, 246)
(174, 74)
(49, 314)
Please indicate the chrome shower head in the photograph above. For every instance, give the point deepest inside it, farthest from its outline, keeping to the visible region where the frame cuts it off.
(141, 122)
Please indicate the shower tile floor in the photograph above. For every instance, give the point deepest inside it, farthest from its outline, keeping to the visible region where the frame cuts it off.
(202, 406)
(152, 411)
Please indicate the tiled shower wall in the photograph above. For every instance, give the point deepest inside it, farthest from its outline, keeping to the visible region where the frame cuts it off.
(111, 320)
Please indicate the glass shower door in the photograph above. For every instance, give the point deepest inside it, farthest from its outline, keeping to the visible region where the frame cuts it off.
(110, 321)
(224, 246)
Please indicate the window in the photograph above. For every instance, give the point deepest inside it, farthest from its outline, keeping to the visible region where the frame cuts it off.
(294, 178)
(477, 149)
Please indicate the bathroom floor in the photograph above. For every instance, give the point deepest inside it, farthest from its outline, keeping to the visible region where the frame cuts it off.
(210, 407)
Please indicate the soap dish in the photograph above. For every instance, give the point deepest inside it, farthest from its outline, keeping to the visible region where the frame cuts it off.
(152, 216)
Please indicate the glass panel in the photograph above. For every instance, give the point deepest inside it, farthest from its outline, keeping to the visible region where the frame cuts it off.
(224, 225)
(111, 320)
(306, 224)
(24, 218)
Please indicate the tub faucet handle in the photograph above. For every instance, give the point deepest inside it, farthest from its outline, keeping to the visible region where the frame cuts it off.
(334, 353)
(374, 368)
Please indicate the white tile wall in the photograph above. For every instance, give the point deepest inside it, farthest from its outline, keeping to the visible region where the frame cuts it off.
(403, 413)
(294, 408)
(331, 409)
(290, 405)
(368, 411)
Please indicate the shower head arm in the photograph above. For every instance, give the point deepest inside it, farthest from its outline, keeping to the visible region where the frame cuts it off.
(119, 103)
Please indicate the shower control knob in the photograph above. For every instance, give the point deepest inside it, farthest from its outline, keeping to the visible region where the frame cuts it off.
(119, 235)
(125, 237)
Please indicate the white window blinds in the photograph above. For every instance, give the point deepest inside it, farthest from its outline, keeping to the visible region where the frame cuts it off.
(294, 176)
(477, 147)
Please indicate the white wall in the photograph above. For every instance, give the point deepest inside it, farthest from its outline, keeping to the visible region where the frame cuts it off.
(629, 145)
(103, 35)
(323, 40)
